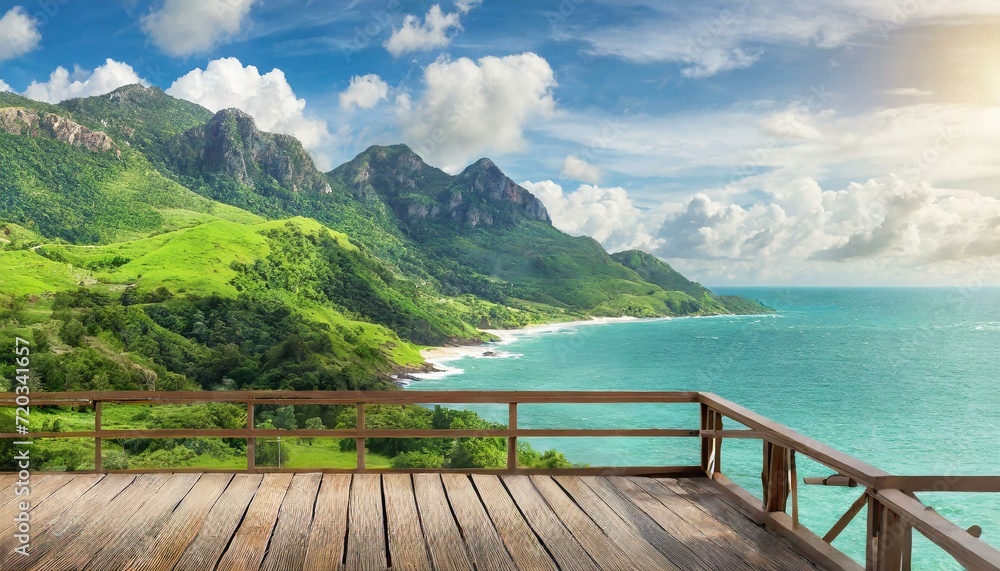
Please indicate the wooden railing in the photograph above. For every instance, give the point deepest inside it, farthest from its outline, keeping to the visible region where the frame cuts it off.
(893, 509)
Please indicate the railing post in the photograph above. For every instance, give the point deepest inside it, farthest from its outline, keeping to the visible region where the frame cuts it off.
(359, 442)
(774, 477)
(251, 441)
(512, 440)
(98, 460)
(871, 536)
(889, 539)
(711, 448)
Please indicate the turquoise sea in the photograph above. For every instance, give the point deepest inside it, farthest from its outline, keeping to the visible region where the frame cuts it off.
(905, 379)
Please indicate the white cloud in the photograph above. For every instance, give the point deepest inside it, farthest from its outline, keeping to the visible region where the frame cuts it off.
(885, 229)
(432, 33)
(81, 83)
(908, 92)
(4, 86)
(364, 92)
(710, 38)
(465, 6)
(268, 98)
(18, 33)
(186, 27)
(606, 214)
(579, 169)
(469, 108)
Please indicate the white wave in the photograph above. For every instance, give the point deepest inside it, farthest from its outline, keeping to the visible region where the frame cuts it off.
(441, 372)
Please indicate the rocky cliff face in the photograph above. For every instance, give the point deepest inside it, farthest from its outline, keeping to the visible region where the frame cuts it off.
(481, 196)
(230, 143)
(20, 121)
(485, 179)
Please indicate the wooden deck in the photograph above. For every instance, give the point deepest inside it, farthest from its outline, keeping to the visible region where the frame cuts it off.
(286, 522)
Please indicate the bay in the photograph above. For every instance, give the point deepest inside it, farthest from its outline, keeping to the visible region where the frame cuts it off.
(903, 378)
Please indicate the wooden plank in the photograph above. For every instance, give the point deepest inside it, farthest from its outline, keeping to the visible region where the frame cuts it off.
(775, 477)
(249, 543)
(351, 397)
(512, 440)
(717, 545)
(219, 526)
(604, 550)
(407, 548)
(7, 484)
(802, 540)
(759, 542)
(624, 537)
(148, 519)
(49, 535)
(940, 483)
(365, 532)
(485, 545)
(38, 491)
(447, 549)
(325, 549)
(847, 518)
(683, 554)
(161, 548)
(79, 545)
(289, 541)
(557, 538)
(156, 433)
(677, 471)
(45, 513)
(523, 545)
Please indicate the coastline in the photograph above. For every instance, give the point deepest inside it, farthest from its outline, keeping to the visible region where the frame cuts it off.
(437, 356)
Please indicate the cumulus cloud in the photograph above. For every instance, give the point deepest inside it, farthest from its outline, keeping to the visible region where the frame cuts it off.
(470, 108)
(579, 169)
(4, 86)
(268, 98)
(606, 214)
(64, 85)
(416, 35)
(364, 92)
(886, 221)
(18, 33)
(186, 27)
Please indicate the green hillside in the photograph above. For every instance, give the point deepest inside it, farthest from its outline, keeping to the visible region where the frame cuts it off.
(149, 244)
(147, 234)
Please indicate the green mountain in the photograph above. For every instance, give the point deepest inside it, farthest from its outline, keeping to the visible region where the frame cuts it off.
(149, 242)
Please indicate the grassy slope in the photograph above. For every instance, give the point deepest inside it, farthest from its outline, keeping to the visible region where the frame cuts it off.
(192, 261)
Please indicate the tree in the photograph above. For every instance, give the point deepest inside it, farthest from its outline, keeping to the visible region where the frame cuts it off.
(284, 418)
(417, 460)
(72, 332)
(315, 423)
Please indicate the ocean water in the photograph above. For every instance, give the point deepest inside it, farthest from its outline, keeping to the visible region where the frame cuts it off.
(904, 379)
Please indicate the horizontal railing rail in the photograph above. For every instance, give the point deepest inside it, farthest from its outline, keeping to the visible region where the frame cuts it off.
(893, 509)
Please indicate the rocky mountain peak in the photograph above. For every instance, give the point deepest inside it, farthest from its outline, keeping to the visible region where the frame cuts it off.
(484, 178)
(231, 142)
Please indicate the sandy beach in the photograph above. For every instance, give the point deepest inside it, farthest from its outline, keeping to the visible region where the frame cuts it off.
(439, 355)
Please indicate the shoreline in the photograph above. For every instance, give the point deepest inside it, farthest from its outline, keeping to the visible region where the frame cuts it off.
(437, 356)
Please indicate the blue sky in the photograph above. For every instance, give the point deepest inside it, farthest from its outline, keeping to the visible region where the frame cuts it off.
(836, 142)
